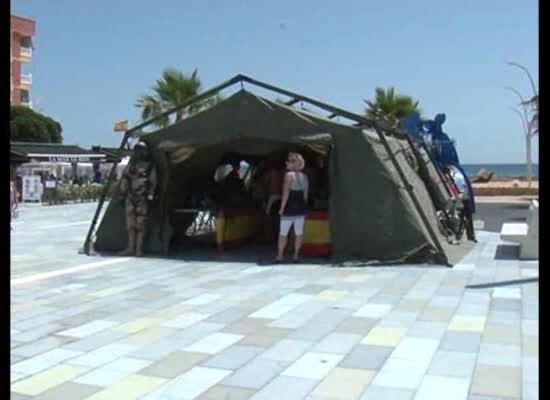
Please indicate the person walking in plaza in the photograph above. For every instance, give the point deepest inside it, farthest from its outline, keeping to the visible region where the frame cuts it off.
(465, 212)
(137, 187)
(293, 205)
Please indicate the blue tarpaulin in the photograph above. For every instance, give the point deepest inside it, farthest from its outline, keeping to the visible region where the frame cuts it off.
(443, 151)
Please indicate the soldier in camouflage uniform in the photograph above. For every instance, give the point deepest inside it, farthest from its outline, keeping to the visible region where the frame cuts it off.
(137, 186)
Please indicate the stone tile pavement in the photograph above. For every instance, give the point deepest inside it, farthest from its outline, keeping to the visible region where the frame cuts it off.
(123, 328)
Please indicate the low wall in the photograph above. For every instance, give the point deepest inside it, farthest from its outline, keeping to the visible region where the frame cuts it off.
(505, 191)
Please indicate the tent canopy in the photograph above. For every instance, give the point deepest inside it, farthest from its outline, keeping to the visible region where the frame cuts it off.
(380, 207)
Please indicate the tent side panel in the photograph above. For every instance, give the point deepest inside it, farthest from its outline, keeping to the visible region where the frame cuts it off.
(409, 164)
(371, 217)
(111, 235)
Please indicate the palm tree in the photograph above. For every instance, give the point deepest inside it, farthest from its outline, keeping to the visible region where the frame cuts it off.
(533, 102)
(390, 107)
(530, 122)
(173, 89)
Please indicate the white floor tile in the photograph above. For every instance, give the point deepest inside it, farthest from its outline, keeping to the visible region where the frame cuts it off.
(287, 350)
(401, 374)
(103, 355)
(202, 299)
(113, 372)
(419, 349)
(313, 365)
(272, 311)
(185, 320)
(191, 384)
(214, 343)
(88, 329)
(464, 267)
(44, 361)
(507, 293)
(433, 388)
(373, 311)
(280, 307)
(338, 343)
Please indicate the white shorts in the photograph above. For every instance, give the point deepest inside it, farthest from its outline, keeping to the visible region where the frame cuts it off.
(287, 222)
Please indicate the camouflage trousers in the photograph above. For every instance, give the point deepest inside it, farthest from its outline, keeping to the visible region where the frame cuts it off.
(136, 214)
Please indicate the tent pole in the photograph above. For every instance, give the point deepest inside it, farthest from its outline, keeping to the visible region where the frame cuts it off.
(106, 188)
(410, 191)
(298, 97)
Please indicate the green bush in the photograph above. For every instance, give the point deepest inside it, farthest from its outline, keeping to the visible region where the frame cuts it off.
(27, 125)
(75, 193)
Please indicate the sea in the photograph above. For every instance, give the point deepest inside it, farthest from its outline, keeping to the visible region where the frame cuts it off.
(501, 169)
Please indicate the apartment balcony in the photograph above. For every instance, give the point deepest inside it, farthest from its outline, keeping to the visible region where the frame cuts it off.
(26, 103)
(26, 79)
(26, 52)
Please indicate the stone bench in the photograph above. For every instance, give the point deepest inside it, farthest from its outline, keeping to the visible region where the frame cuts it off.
(525, 234)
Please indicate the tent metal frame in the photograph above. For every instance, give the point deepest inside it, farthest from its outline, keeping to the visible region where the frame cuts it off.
(359, 120)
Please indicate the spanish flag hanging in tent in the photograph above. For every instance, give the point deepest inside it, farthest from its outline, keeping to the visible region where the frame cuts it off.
(316, 241)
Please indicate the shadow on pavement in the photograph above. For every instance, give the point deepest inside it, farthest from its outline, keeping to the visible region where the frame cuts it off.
(507, 252)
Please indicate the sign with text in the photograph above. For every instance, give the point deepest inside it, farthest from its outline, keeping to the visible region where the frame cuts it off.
(32, 188)
(70, 159)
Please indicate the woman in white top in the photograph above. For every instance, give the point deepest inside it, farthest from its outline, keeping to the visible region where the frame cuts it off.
(293, 204)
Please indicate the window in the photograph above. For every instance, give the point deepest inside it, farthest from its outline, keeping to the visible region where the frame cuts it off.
(25, 96)
(26, 41)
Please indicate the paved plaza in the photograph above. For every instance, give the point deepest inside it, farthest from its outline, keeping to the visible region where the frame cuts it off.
(105, 328)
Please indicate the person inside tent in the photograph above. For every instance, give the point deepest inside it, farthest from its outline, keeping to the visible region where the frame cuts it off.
(137, 187)
(231, 191)
(272, 186)
(293, 205)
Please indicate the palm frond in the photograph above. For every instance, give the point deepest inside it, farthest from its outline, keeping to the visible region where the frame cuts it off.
(389, 106)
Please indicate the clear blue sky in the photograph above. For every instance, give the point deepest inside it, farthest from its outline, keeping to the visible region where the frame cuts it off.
(93, 59)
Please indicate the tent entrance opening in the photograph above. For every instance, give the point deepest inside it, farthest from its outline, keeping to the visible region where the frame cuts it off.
(228, 196)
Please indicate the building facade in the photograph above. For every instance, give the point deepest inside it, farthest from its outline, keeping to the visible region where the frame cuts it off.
(21, 33)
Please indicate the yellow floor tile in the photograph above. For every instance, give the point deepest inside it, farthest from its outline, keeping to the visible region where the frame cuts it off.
(149, 335)
(467, 323)
(171, 312)
(137, 325)
(356, 380)
(132, 387)
(331, 295)
(47, 379)
(381, 336)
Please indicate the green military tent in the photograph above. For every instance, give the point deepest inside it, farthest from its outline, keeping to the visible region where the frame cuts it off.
(385, 192)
